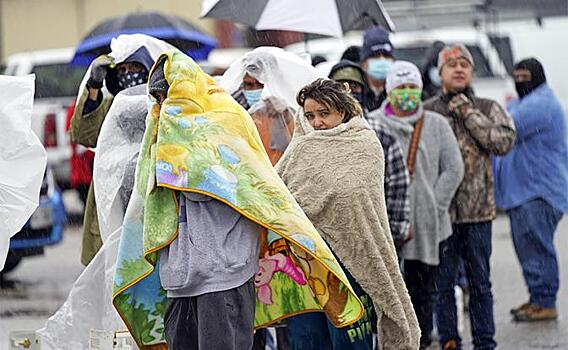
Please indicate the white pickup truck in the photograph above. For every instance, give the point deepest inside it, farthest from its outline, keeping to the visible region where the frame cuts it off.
(57, 83)
(490, 76)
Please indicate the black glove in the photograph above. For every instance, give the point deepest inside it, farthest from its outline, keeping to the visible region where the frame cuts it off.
(99, 69)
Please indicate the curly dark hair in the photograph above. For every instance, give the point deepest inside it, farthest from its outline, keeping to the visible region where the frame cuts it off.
(333, 95)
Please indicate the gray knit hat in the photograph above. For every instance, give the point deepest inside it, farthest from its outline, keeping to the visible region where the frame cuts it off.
(453, 53)
(403, 72)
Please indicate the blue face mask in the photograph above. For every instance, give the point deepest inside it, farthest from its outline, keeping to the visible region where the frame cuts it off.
(434, 76)
(252, 96)
(378, 68)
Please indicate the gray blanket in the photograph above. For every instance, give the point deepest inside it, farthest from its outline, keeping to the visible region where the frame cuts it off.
(336, 176)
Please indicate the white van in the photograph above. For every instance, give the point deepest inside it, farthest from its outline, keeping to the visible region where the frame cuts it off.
(57, 83)
(490, 75)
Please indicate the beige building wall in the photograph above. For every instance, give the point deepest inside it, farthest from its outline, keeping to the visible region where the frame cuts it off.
(27, 25)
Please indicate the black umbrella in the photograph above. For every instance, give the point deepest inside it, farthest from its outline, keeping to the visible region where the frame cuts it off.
(175, 30)
(325, 17)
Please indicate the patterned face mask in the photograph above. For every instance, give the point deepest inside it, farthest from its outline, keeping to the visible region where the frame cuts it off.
(130, 79)
(406, 100)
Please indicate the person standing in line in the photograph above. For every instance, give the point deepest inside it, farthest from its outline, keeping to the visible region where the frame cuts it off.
(281, 74)
(397, 179)
(334, 167)
(483, 128)
(208, 269)
(265, 82)
(436, 168)
(376, 59)
(90, 111)
(532, 186)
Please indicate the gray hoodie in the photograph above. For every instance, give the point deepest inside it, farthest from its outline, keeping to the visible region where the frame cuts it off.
(216, 249)
(437, 175)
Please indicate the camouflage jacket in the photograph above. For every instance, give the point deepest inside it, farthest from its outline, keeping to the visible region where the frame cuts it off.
(483, 128)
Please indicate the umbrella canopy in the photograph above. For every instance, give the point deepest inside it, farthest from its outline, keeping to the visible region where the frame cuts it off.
(175, 30)
(326, 17)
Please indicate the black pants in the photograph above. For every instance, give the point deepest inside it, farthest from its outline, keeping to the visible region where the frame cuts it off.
(214, 321)
(420, 281)
(281, 339)
(470, 243)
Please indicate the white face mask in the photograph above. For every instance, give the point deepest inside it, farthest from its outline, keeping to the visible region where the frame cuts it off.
(434, 76)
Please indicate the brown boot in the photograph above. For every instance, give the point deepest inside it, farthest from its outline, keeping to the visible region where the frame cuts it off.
(451, 345)
(536, 313)
(520, 308)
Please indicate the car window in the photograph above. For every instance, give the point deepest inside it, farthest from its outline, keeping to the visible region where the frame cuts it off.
(417, 55)
(481, 67)
(57, 80)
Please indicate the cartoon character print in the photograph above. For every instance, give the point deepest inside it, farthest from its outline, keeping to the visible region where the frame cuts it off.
(268, 266)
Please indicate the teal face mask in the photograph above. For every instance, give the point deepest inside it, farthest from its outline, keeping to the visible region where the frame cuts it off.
(252, 96)
(378, 68)
(406, 100)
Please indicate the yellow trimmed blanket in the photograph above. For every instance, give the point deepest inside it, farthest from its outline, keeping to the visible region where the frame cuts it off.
(202, 141)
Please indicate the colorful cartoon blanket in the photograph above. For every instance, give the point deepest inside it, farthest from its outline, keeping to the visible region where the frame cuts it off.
(202, 141)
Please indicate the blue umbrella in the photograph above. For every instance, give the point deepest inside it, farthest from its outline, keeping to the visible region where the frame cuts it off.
(175, 30)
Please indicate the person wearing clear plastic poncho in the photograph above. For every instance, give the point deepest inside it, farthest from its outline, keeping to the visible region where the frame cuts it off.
(264, 82)
(89, 304)
(22, 159)
(127, 65)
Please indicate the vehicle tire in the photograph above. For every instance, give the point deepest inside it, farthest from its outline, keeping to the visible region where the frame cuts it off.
(11, 262)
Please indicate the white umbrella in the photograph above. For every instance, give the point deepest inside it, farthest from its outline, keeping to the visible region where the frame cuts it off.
(325, 17)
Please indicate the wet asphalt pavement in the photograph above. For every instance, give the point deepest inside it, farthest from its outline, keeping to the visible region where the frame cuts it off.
(43, 284)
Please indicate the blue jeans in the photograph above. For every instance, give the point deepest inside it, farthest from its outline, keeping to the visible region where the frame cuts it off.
(313, 331)
(472, 243)
(532, 226)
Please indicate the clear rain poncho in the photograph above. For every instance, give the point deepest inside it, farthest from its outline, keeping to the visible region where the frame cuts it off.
(89, 304)
(22, 158)
(283, 74)
(115, 160)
